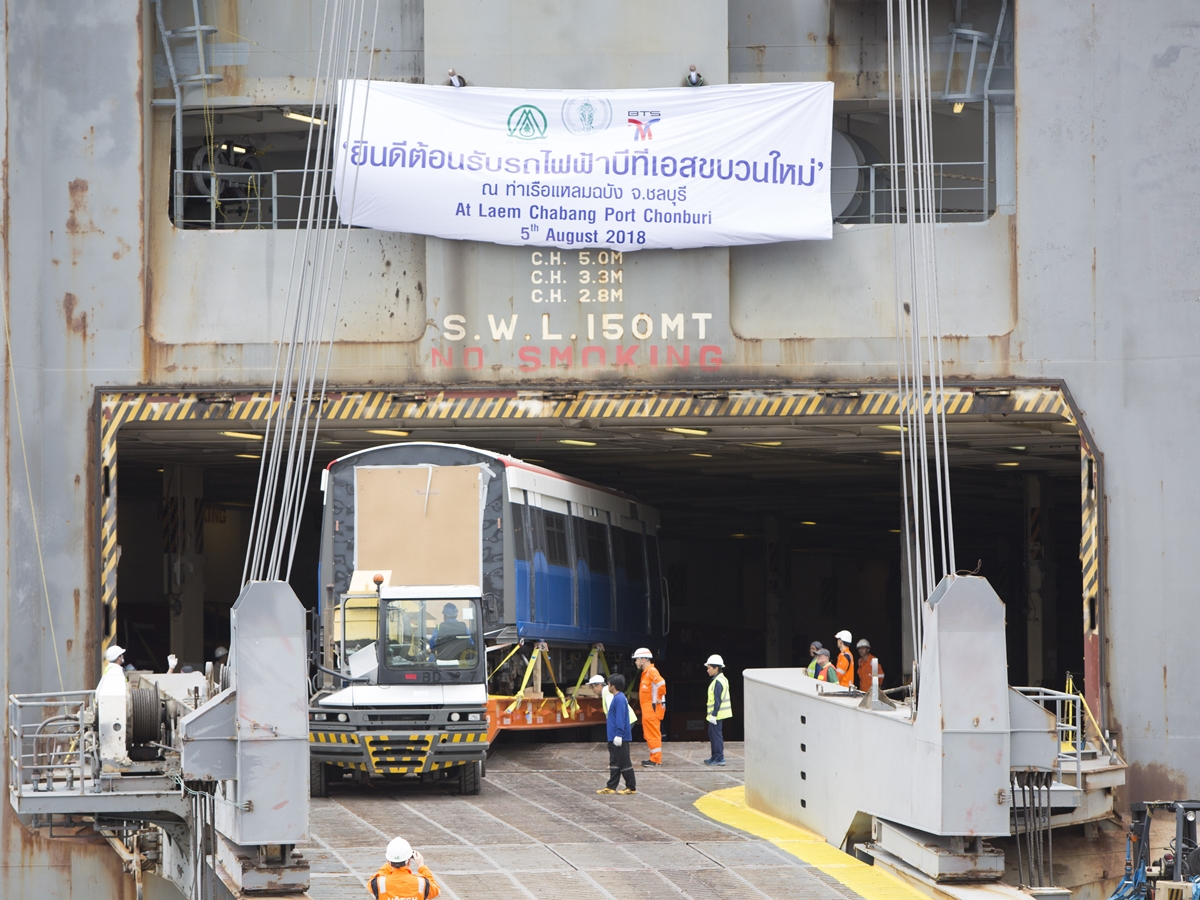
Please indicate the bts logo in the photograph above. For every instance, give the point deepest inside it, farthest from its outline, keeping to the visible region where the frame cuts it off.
(642, 120)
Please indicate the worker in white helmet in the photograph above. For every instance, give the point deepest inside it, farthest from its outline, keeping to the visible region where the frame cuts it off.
(845, 659)
(404, 876)
(865, 658)
(114, 658)
(652, 697)
(601, 684)
(718, 709)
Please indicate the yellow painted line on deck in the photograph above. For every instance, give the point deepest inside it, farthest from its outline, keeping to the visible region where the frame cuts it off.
(728, 807)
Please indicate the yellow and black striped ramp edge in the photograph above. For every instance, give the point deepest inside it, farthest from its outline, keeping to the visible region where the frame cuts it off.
(118, 409)
(728, 807)
(471, 404)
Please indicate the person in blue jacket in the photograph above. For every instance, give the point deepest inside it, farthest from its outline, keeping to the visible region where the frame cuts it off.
(620, 733)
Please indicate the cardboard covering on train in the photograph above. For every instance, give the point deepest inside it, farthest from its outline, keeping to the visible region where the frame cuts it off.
(547, 557)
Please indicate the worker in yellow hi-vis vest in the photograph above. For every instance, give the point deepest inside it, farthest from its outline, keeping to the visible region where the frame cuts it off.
(599, 682)
(717, 710)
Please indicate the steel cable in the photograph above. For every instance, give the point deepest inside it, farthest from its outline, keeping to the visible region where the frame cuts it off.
(294, 418)
(920, 373)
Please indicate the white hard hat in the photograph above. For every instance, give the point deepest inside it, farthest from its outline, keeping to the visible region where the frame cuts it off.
(113, 653)
(844, 636)
(863, 642)
(596, 679)
(715, 660)
(642, 653)
(399, 851)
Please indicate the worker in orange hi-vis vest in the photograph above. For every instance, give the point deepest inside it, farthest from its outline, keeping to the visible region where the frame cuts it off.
(652, 697)
(865, 658)
(405, 875)
(845, 659)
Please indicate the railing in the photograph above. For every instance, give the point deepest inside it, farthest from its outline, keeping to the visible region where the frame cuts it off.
(1068, 717)
(51, 747)
(863, 194)
(232, 198)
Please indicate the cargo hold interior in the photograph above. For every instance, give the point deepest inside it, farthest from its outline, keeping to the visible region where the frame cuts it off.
(774, 533)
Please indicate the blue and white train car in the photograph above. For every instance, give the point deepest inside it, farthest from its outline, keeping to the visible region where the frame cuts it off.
(559, 559)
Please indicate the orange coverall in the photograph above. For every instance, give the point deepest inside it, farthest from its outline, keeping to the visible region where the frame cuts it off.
(845, 668)
(398, 883)
(652, 698)
(864, 673)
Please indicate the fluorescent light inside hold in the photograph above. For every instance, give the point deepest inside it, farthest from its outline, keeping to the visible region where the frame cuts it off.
(893, 531)
(247, 456)
(1016, 448)
(701, 455)
(737, 535)
(244, 435)
(893, 427)
(390, 432)
(890, 452)
(698, 432)
(764, 444)
(571, 443)
(808, 523)
(301, 117)
(1009, 464)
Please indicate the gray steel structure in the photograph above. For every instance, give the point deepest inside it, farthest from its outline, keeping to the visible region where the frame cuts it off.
(1086, 272)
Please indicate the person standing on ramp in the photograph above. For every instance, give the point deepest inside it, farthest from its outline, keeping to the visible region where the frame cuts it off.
(652, 697)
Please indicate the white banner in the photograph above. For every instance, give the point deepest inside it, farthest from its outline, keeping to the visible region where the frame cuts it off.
(623, 169)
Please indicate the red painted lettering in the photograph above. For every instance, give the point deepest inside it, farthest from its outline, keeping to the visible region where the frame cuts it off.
(710, 357)
(654, 356)
(439, 360)
(594, 351)
(531, 359)
(477, 352)
(625, 356)
(673, 357)
(565, 356)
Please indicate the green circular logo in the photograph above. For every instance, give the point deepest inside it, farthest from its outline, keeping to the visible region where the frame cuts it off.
(527, 123)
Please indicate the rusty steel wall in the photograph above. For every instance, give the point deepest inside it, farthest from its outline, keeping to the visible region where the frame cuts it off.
(1092, 280)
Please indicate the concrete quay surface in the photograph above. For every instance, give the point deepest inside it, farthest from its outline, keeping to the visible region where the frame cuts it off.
(539, 830)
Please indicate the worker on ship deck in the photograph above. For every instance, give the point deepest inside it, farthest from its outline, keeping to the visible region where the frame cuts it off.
(813, 648)
(825, 670)
(864, 665)
(598, 682)
(652, 697)
(114, 658)
(845, 659)
(717, 710)
(404, 876)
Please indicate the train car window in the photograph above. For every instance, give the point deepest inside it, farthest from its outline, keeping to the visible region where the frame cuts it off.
(556, 539)
(635, 557)
(597, 548)
(520, 547)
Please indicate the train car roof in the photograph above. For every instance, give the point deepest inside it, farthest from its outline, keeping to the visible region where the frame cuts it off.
(508, 461)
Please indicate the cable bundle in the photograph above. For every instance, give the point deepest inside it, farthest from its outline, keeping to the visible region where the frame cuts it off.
(318, 270)
(924, 483)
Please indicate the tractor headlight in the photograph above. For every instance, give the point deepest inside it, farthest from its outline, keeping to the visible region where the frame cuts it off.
(342, 717)
(454, 717)
(318, 717)
(472, 717)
